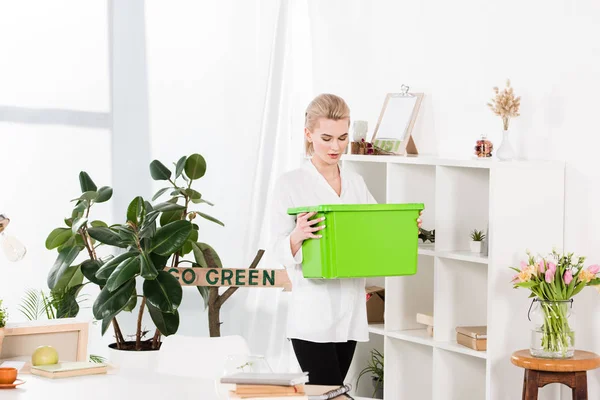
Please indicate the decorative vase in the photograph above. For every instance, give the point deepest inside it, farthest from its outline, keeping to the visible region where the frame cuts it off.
(551, 332)
(476, 246)
(505, 151)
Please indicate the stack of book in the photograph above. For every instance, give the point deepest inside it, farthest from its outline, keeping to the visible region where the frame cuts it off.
(270, 386)
(474, 337)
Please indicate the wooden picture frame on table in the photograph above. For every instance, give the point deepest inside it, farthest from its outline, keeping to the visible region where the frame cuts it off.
(69, 336)
(393, 132)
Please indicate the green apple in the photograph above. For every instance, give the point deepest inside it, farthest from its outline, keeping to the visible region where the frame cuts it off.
(44, 355)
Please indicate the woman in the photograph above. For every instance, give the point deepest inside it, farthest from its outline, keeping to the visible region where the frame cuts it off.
(326, 317)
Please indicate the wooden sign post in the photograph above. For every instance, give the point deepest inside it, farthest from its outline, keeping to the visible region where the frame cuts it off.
(232, 277)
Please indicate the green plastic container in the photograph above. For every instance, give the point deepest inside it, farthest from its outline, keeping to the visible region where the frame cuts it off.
(362, 240)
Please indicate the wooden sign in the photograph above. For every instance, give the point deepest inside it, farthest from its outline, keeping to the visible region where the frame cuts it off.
(232, 277)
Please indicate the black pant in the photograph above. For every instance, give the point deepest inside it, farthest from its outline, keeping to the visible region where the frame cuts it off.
(326, 363)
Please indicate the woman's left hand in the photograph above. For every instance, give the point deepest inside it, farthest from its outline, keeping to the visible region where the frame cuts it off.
(419, 222)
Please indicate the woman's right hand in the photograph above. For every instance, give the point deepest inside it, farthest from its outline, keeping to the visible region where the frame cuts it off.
(305, 228)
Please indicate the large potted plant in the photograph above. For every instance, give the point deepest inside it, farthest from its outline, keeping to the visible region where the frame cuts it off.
(153, 239)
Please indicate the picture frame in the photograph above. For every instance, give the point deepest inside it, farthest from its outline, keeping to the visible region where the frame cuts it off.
(68, 335)
(393, 132)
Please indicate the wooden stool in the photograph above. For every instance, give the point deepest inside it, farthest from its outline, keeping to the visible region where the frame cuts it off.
(541, 371)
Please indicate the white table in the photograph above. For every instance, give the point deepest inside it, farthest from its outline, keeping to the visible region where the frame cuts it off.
(117, 385)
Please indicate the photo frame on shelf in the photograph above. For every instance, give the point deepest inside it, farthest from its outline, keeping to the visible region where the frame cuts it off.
(393, 132)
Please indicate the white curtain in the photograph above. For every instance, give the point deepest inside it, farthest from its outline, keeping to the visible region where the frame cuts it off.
(231, 80)
(281, 148)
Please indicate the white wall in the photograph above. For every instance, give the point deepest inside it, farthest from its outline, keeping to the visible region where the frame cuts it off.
(54, 122)
(455, 52)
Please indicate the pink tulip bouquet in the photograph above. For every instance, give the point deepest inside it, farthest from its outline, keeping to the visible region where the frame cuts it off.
(554, 280)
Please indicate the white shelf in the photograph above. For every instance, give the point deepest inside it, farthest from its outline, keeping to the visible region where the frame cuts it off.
(426, 250)
(459, 287)
(463, 256)
(420, 336)
(467, 162)
(457, 348)
(376, 329)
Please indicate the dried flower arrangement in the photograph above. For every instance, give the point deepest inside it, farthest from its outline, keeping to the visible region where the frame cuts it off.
(505, 104)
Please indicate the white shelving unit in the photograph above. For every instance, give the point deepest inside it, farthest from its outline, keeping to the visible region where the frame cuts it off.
(521, 205)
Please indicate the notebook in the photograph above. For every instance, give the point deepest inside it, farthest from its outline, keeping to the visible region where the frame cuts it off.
(68, 369)
(255, 378)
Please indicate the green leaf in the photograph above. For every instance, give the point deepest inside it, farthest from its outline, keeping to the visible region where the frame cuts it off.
(180, 166)
(127, 234)
(187, 246)
(206, 256)
(107, 269)
(72, 276)
(199, 201)
(88, 196)
(159, 172)
(195, 166)
(166, 206)
(106, 236)
(78, 223)
(136, 211)
(170, 216)
(67, 305)
(86, 183)
(124, 272)
(171, 237)
(79, 209)
(192, 194)
(149, 227)
(106, 324)
(65, 258)
(160, 193)
(99, 224)
(132, 302)
(160, 262)
(69, 222)
(104, 194)
(208, 217)
(166, 323)
(204, 293)
(32, 306)
(109, 304)
(148, 269)
(57, 237)
(89, 269)
(164, 292)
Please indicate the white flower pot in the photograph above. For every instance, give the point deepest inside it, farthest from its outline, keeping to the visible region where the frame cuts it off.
(505, 152)
(133, 360)
(476, 246)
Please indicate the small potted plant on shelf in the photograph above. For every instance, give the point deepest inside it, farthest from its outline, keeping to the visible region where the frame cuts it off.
(477, 238)
(3, 318)
(375, 368)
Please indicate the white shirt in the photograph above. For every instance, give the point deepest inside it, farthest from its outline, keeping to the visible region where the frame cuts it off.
(321, 310)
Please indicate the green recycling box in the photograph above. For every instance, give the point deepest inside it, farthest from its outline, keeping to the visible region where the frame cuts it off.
(362, 240)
